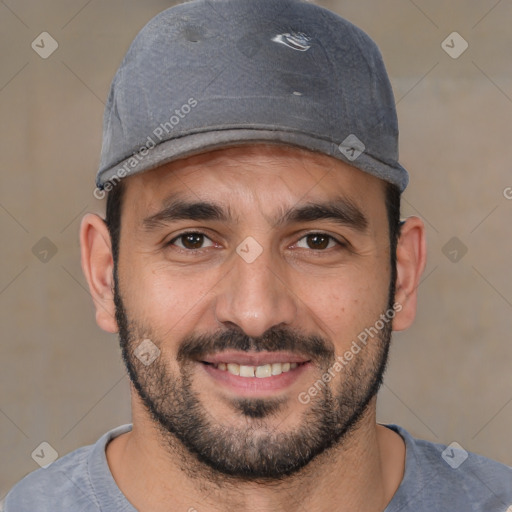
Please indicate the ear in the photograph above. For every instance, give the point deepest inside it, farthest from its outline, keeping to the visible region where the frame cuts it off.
(411, 257)
(98, 268)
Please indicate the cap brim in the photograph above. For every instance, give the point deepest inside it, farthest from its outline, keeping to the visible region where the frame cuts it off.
(151, 157)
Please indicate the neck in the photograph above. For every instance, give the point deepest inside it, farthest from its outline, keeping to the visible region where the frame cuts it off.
(360, 473)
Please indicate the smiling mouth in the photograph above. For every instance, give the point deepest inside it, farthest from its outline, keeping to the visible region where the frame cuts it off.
(261, 371)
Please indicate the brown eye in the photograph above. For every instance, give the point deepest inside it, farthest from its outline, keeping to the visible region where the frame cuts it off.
(191, 241)
(317, 241)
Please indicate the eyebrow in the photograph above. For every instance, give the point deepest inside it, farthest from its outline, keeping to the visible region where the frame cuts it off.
(178, 209)
(341, 210)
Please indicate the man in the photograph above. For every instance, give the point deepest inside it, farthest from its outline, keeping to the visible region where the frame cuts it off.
(254, 264)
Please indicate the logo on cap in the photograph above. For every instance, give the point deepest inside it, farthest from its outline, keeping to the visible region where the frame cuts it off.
(295, 41)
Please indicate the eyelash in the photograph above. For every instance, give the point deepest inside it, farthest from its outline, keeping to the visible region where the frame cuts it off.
(340, 244)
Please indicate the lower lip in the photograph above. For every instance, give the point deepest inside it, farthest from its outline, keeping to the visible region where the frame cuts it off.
(251, 386)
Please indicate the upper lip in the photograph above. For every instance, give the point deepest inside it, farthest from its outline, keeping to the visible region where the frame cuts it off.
(254, 358)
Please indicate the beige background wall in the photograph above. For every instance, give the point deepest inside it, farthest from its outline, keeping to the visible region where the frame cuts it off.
(450, 378)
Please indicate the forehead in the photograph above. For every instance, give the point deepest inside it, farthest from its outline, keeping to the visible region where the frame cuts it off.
(271, 176)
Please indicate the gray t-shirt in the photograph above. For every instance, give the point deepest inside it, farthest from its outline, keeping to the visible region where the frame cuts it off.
(437, 479)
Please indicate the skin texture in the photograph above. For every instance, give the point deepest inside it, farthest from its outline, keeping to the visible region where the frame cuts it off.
(170, 295)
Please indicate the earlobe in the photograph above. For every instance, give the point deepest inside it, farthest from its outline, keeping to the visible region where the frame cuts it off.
(98, 268)
(411, 258)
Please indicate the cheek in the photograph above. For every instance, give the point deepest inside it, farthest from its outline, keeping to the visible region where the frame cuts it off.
(167, 301)
(344, 304)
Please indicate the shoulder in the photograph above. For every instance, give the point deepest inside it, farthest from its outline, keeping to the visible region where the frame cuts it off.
(63, 481)
(64, 485)
(451, 478)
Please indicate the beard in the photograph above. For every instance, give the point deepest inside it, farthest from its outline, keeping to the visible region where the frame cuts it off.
(254, 450)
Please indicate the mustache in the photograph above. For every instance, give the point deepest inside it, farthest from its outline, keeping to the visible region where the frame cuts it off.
(274, 339)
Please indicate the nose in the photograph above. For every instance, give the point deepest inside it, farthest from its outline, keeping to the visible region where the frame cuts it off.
(255, 296)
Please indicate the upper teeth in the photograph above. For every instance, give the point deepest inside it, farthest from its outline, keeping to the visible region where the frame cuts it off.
(266, 370)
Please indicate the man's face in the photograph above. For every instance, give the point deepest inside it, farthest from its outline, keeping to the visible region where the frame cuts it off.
(232, 262)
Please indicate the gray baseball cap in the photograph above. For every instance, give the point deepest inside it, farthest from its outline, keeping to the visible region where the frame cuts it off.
(208, 74)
